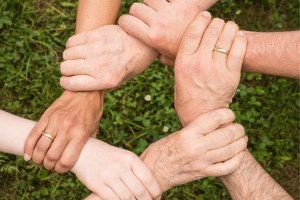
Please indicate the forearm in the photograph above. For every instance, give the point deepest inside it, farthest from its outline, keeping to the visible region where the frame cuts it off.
(94, 13)
(273, 53)
(13, 133)
(251, 181)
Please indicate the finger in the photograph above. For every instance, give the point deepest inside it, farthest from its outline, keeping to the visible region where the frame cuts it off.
(229, 151)
(166, 61)
(136, 187)
(93, 196)
(69, 155)
(74, 53)
(80, 83)
(143, 12)
(156, 4)
(34, 137)
(210, 37)
(43, 145)
(77, 40)
(55, 151)
(74, 67)
(210, 121)
(193, 35)
(224, 136)
(135, 27)
(227, 167)
(106, 193)
(121, 190)
(143, 173)
(225, 42)
(237, 52)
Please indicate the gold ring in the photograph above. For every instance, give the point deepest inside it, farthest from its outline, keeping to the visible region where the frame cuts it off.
(221, 50)
(48, 136)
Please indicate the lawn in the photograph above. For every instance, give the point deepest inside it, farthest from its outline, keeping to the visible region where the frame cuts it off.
(33, 35)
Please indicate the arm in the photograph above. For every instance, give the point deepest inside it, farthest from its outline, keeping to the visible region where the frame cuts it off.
(73, 117)
(92, 49)
(200, 151)
(251, 181)
(94, 13)
(163, 28)
(110, 172)
(273, 53)
(196, 77)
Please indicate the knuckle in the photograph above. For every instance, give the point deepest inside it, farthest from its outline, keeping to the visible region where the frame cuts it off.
(69, 42)
(51, 157)
(153, 37)
(129, 197)
(245, 141)
(227, 153)
(215, 27)
(141, 193)
(133, 8)
(226, 39)
(218, 21)
(227, 135)
(67, 124)
(40, 148)
(216, 117)
(93, 36)
(239, 128)
(65, 163)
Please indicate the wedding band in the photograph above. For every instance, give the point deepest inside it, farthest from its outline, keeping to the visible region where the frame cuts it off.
(48, 136)
(221, 50)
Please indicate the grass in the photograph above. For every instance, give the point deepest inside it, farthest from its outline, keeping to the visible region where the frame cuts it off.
(33, 34)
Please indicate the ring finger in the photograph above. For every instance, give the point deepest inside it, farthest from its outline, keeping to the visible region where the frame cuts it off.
(225, 42)
(43, 144)
(210, 37)
(55, 151)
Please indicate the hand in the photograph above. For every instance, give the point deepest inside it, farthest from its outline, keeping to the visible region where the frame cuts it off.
(114, 173)
(198, 151)
(206, 79)
(71, 120)
(161, 24)
(103, 59)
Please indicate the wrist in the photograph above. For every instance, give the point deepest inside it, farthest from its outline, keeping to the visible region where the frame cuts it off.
(238, 178)
(150, 158)
(190, 111)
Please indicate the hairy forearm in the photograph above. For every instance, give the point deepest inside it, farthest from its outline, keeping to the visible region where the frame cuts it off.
(251, 181)
(273, 53)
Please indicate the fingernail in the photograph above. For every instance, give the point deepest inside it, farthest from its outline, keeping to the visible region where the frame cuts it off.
(206, 14)
(27, 157)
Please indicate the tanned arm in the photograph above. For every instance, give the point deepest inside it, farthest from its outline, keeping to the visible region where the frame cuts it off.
(273, 53)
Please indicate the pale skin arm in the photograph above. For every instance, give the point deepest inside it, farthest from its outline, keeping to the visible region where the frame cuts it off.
(102, 160)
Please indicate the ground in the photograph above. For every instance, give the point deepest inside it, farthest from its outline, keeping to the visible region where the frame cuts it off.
(33, 35)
